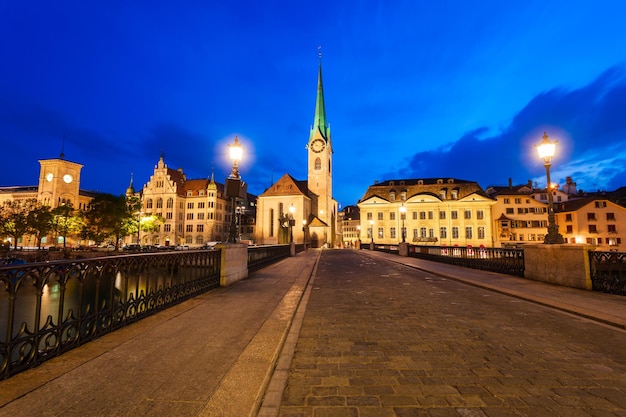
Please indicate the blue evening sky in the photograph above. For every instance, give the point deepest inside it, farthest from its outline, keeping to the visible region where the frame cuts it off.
(414, 89)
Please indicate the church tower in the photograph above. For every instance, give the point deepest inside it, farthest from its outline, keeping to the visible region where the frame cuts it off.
(320, 162)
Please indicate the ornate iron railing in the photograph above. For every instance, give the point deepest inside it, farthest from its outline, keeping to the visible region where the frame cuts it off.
(608, 272)
(47, 309)
(502, 260)
(262, 256)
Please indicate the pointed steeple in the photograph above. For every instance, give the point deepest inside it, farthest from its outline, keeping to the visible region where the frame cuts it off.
(319, 122)
(131, 189)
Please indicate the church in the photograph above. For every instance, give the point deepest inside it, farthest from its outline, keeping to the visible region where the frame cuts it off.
(303, 211)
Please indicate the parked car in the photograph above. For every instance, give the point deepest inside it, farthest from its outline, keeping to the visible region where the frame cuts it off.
(133, 247)
(182, 247)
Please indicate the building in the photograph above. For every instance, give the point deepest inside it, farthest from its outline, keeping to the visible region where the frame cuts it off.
(304, 211)
(59, 184)
(350, 222)
(592, 220)
(188, 211)
(430, 211)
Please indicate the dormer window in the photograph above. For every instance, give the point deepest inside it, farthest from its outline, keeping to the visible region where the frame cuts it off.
(454, 194)
(403, 196)
(392, 195)
(451, 181)
(442, 194)
(440, 181)
(420, 182)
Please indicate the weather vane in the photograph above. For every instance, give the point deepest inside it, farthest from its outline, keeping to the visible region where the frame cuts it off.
(319, 52)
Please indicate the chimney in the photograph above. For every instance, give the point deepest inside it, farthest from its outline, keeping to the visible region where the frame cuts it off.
(510, 182)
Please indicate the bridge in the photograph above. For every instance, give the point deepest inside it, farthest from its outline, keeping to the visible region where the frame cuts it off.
(345, 332)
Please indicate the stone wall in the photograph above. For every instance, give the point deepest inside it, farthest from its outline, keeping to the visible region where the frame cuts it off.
(234, 265)
(566, 265)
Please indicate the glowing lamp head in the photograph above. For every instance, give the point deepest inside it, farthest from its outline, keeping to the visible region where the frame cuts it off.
(292, 209)
(235, 150)
(402, 209)
(546, 148)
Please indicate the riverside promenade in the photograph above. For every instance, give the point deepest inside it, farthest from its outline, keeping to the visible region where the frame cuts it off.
(349, 333)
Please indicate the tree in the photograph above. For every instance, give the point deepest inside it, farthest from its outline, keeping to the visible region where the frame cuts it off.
(40, 221)
(108, 216)
(65, 221)
(14, 218)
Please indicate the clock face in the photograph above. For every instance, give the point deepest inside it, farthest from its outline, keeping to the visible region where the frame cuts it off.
(67, 178)
(317, 145)
(49, 177)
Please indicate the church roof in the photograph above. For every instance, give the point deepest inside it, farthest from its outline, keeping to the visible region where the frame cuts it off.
(287, 185)
(431, 186)
(319, 121)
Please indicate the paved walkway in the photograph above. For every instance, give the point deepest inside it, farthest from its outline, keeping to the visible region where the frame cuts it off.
(231, 351)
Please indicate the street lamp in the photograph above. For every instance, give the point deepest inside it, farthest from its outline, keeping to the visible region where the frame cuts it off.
(235, 188)
(546, 151)
(403, 215)
(304, 232)
(292, 222)
(372, 230)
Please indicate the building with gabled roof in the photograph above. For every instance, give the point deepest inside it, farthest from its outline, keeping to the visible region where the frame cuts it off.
(592, 220)
(428, 211)
(189, 211)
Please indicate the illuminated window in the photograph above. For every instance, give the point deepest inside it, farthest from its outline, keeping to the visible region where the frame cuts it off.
(318, 164)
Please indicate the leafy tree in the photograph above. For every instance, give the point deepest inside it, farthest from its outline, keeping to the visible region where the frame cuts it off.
(110, 216)
(14, 218)
(65, 221)
(40, 221)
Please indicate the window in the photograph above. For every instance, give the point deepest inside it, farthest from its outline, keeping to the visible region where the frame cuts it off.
(600, 204)
(431, 215)
(481, 232)
(392, 196)
(431, 233)
(167, 227)
(469, 233)
(591, 216)
(201, 205)
(507, 201)
(568, 217)
(159, 203)
(189, 228)
(149, 203)
(381, 233)
(455, 194)
(392, 232)
(442, 194)
(170, 203)
(415, 215)
(189, 205)
(189, 216)
(569, 229)
(510, 210)
(442, 215)
(318, 164)
(455, 232)
(443, 233)
(369, 216)
(518, 201)
(423, 232)
(592, 228)
(392, 215)
(200, 228)
(480, 214)
(200, 216)
(169, 215)
(454, 214)
(611, 228)
(403, 196)
(468, 214)
(610, 216)
(380, 215)
(415, 235)
(271, 231)
(422, 215)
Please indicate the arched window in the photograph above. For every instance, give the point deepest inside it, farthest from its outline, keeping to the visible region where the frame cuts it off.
(149, 204)
(318, 164)
(170, 203)
(159, 203)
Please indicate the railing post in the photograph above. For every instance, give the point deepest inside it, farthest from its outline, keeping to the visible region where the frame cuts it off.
(234, 265)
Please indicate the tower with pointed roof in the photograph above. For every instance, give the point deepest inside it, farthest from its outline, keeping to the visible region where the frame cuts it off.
(289, 203)
(320, 163)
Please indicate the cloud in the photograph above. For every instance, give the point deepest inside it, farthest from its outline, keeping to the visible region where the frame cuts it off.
(588, 122)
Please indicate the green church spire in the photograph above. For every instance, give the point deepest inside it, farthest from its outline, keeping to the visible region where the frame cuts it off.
(319, 123)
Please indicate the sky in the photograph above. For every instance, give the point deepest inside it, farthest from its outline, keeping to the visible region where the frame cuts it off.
(413, 89)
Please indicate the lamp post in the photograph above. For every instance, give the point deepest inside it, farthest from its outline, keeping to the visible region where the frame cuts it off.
(402, 215)
(372, 230)
(233, 186)
(304, 232)
(292, 222)
(546, 151)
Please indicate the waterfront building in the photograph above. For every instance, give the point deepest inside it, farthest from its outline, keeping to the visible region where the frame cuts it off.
(593, 220)
(188, 212)
(429, 211)
(304, 211)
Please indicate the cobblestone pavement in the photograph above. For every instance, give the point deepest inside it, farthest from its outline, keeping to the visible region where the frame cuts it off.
(382, 339)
